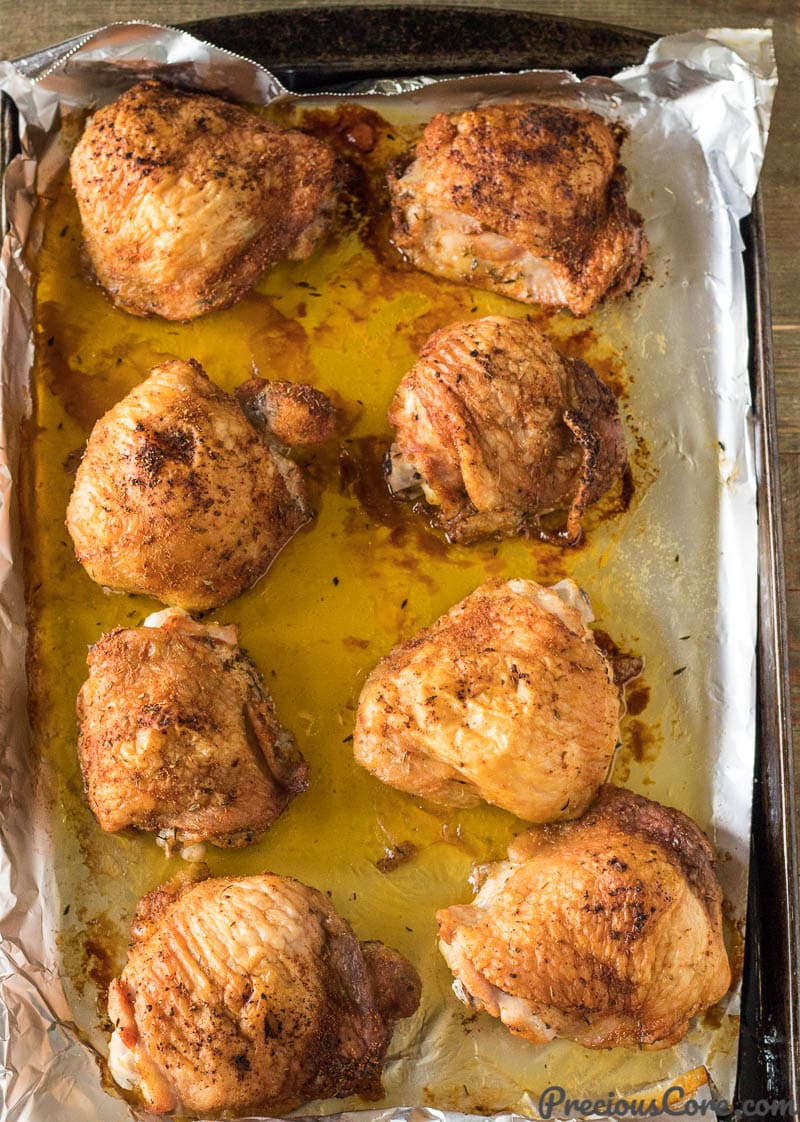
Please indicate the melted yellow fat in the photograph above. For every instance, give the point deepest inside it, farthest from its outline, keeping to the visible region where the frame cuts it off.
(341, 594)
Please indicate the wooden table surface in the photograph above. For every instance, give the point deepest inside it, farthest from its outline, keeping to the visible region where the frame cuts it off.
(25, 27)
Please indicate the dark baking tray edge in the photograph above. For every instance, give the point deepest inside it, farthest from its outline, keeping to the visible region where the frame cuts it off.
(334, 47)
(769, 1049)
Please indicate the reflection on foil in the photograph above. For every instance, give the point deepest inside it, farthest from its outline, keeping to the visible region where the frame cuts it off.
(698, 111)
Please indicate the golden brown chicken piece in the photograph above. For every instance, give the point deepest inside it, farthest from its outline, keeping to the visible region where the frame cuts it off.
(506, 698)
(290, 412)
(179, 497)
(250, 994)
(185, 200)
(178, 733)
(496, 428)
(523, 199)
(606, 931)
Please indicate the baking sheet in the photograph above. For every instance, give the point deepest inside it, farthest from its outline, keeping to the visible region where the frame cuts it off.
(698, 112)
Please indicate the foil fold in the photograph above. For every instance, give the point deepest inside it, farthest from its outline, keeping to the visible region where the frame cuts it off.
(702, 97)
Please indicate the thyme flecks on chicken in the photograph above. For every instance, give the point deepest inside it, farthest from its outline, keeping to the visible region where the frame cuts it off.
(180, 497)
(186, 200)
(178, 733)
(524, 199)
(606, 931)
(496, 428)
(506, 698)
(251, 994)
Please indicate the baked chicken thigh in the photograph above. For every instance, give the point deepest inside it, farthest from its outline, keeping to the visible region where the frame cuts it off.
(250, 994)
(180, 497)
(178, 733)
(506, 698)
(496, 428)
(523, 199)
(606, 931)
(185, 200)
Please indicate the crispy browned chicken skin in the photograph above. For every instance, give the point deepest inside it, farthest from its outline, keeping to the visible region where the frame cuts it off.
(527, 200)
(506, 698)
(178, 733)
(607, 931)
(250, 994)
(290, 413)
(185, 200)
(180, 497)
(496, 428)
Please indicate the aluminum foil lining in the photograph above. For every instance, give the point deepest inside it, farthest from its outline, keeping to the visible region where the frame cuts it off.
(698, 111)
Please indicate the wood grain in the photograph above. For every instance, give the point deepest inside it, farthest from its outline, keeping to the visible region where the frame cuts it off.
(27, 27)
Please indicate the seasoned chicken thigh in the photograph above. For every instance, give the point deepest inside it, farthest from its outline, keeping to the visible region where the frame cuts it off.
(506, 698)
(523, 199)
(606, 931)
(180, 497)
(496, 428)
(178, 733)
(185, 200)
(250, 994)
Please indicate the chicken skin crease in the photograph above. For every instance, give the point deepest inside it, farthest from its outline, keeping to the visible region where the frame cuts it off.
(186, 200)
(177, 733)
(179, 496)
(250, 995)
(606, 931)
(506, 698)
(523, 199)
(496, 428)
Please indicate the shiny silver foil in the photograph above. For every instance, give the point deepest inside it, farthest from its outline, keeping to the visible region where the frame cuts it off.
(698, 112)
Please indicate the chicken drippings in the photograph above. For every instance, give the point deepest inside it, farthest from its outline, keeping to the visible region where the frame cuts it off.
(350, 320)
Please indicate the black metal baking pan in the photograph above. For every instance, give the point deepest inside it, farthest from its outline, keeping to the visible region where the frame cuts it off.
(329, 47)
(336, 48)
